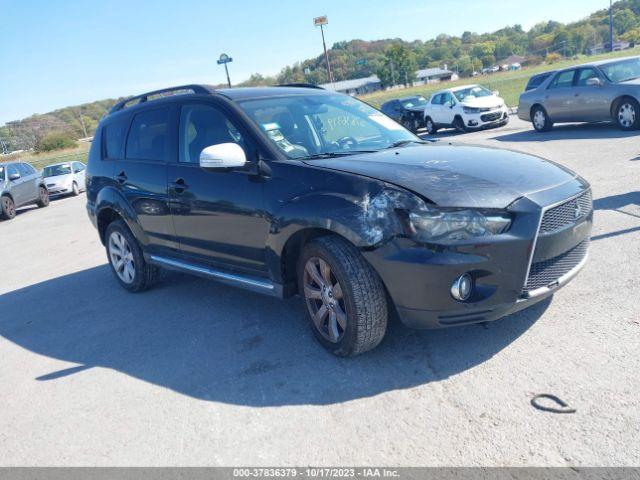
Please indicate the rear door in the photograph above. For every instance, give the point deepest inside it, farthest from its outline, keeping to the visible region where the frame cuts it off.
(593, 101)
(142, 174)
(560, 101)
(31, 180)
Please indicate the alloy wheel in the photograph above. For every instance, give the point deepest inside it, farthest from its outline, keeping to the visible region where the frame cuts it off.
(121, 257)
(325, 300)
(429, 125)
(44, 196)
(539, 120)
(8, 207)
(627, 115)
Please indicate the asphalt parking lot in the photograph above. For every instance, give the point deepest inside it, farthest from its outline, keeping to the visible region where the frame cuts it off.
(196, 373)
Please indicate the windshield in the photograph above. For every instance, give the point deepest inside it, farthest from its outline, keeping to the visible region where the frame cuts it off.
(472, 92)
(622, 71)
(324, 124)
(414, 102)
(56, 170)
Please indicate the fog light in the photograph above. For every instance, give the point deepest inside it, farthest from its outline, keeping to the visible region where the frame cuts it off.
(461, 287)
(473, 123)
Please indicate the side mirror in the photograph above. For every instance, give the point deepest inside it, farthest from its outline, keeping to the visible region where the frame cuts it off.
(594, 82)
(14, 176)
(223, 156)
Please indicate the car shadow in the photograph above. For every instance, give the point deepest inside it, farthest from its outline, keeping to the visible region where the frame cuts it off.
(568, 132)
(218, 343)
(616, 203)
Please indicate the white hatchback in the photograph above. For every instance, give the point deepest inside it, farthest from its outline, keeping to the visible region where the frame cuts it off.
(65, 178)
(469, 107)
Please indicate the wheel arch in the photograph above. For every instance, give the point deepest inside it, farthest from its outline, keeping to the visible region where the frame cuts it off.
(110, 206)
(616, 101)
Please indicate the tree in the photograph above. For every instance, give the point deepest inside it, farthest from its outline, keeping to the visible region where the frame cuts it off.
(398, 66)
(55, 141)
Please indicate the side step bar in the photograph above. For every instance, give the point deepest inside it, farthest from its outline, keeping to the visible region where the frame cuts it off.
(259, 285)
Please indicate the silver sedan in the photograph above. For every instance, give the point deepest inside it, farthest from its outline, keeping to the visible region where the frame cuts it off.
(593, 92)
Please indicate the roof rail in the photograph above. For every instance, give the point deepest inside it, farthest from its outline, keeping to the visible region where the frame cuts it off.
(145, 96)
(301, 85)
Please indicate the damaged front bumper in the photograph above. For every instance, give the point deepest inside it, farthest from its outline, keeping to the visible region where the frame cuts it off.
(419, 277)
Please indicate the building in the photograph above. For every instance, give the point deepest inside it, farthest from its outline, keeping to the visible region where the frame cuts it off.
(356, 86)
(433, 75)
(606, 47)
(512, 60)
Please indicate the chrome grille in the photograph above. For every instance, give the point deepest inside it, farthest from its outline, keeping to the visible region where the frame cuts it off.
(546, 272)
(564, 215)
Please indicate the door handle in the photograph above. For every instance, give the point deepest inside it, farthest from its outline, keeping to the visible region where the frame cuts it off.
(179, 185)
(121, 177)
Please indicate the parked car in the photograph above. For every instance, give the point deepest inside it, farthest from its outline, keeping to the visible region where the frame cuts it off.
(594, 92)
(536, 80)
(469, 107)
(407, 111)
(291, 190)
(65, 178)
(20, 185)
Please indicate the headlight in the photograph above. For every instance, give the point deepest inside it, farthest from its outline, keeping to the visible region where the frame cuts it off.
(470, 110)
(448, 226)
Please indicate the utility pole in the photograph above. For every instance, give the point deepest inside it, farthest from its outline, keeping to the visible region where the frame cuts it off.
(611, 24)
(84, 128)
(223, 60)
(321, 22)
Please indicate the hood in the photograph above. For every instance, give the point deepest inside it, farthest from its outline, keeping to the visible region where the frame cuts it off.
(457, 175)
(417, 108)
(58, 178)
(483, 102)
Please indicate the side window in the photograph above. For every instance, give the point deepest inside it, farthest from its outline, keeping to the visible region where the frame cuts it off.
(149, 136)
(78, 167)
(28, 169)
(11, 170)
(23, 170)
(447, 100)
(202, 126)
(114, 134)
(584, 75)
(563, 79)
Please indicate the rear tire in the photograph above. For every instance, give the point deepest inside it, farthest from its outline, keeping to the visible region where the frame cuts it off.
(43, 197)
(7, 208)
(540, 120)
(126, 259)
(346, 301)
(627, 114)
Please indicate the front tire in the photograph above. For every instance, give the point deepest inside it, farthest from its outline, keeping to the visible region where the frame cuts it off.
(7, 208)
(75, 191)
(540, 120)
(43, 197)
(126, 260)
(459, 125)
(627, 114)
(346, 301)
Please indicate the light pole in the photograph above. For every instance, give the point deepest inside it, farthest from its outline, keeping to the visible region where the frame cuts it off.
(321, 22)
(223, 60)
(611, 24)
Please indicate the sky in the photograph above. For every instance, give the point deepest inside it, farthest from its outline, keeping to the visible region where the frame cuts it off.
(59, 53)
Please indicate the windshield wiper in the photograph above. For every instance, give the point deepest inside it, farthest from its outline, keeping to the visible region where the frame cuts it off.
(402, 143)
(334, 154)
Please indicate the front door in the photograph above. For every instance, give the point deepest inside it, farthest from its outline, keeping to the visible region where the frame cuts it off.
(593, 101)
(447, 112)
(20, 187)
(218, 216)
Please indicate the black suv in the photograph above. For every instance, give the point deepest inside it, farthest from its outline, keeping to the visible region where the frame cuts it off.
(292, 190)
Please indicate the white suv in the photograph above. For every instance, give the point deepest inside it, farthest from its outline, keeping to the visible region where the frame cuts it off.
(469, 107)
